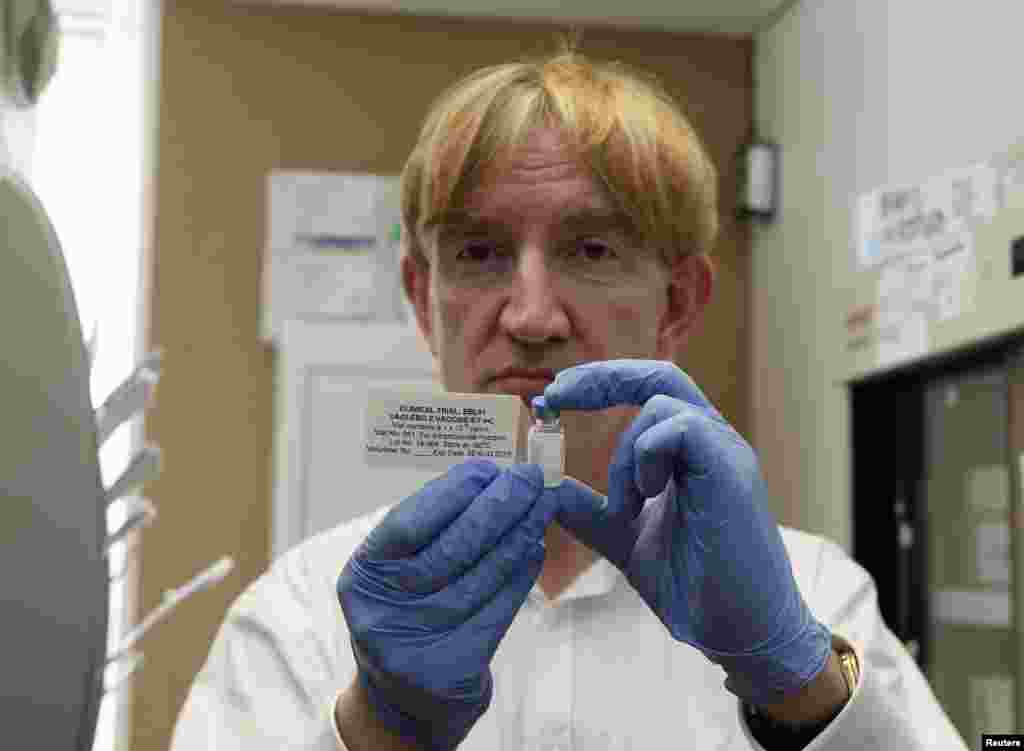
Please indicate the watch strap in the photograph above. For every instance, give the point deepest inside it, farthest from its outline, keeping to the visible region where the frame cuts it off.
(776, 735)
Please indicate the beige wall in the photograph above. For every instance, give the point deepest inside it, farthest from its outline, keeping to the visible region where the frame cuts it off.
(245, 91)
(858, 95)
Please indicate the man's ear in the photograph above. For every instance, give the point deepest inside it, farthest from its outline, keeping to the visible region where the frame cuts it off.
(691, 280)
(416, 282)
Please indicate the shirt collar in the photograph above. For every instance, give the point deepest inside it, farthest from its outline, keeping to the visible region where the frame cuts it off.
(598, 579)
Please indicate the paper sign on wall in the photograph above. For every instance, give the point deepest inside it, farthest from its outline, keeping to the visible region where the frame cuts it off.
(992, 553)
(892, 222)
(332, 249)
(987, 489)
(921, 239)
(954, 262)
(904, 307)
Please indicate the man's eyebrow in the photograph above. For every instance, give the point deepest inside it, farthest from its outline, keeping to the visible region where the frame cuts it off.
(460, 220)
(590, 219)
(600, 220)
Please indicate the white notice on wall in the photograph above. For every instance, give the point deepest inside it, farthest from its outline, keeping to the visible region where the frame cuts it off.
(987, 488)
(919, 239)
(904, 341)
(972, 607)
(954, 259)
(973, 192)
(332, 249)
(895, 221)
(904, 308)
(888, 222)
(992, 553)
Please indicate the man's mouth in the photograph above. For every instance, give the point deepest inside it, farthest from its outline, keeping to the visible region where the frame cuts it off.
(523, 382)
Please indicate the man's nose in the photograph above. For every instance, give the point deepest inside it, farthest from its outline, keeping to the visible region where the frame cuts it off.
(534, 313)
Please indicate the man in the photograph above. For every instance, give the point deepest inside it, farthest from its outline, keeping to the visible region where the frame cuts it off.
(557, 222)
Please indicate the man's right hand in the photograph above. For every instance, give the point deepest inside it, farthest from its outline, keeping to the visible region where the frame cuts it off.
(433, 589)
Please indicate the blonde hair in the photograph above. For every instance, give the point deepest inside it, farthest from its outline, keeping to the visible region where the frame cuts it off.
(620, 123)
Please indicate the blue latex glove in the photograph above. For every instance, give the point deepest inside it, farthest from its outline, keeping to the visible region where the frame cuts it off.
(433, 589)
(706, 555)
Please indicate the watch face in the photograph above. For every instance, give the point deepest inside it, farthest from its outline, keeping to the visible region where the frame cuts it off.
(850, 669)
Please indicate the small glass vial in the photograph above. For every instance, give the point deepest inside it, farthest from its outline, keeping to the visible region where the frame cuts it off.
(545, 443)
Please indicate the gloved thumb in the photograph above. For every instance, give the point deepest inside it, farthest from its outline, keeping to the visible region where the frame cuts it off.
(589, 517)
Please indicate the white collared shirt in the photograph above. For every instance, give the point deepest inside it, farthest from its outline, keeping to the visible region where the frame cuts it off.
(592, 670)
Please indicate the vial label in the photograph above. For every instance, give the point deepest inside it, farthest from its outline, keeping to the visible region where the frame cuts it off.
(547, 450)
(412, 427)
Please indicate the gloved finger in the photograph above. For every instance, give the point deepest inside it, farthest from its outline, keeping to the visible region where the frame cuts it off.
(625, 483)
(489, 577)
(676, 447)
(609, 383)
(580, 504)
(493, 620)
(472, 635)
(498, 508)
(595, 520)
(414, 522)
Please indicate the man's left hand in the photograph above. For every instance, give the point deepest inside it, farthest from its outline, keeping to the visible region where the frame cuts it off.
(705, 554)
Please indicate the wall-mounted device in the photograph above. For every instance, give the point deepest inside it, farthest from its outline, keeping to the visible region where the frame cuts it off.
(758, 172)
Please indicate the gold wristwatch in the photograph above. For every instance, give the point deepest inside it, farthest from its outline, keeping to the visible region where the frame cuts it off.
(849, 667)
(776, 734)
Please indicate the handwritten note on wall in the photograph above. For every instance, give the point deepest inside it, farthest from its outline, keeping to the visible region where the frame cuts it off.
(919, 240)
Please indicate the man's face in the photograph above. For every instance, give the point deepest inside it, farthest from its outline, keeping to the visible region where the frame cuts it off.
(537, 272)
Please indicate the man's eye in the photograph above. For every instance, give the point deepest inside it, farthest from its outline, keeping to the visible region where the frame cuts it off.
(477, 252)
(481, 258)
(592, 251)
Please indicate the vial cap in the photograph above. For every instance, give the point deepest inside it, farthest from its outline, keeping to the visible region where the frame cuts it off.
(542, 411)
